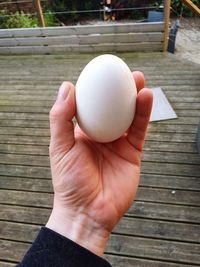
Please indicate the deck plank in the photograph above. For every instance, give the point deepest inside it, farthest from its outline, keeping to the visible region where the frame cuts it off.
(41, 184)
(162, 227)
(153, 248)
(126, 245)
(140, 209)
(149, 156)
(28, 149)
(158, 195)
(128, 226)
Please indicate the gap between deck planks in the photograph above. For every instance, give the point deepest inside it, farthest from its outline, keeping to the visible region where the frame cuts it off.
(121, 245)
(189, 170)
(140, 209)
(28, 149)
(149, 156)
(155, 181)
(149, 194)
(140, 227)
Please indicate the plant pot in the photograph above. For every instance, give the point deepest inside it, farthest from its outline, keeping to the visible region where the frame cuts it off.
(155, 16)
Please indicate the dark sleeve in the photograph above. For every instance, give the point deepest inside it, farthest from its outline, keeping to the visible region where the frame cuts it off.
(51, 249)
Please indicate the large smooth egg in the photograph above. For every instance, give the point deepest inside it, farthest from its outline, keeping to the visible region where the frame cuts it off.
(105, 98)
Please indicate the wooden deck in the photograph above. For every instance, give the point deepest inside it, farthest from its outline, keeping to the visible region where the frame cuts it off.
(162, 228)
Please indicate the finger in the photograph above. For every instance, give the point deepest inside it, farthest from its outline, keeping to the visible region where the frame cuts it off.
(61, 114)
(137, 131)
(139, 80)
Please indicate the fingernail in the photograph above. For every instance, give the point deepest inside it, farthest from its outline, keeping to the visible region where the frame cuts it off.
(63, 91)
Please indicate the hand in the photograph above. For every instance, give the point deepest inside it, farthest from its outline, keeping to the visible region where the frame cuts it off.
(94, 183)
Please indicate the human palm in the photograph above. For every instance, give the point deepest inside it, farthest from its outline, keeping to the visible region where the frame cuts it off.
(95, 182)
(102, 179)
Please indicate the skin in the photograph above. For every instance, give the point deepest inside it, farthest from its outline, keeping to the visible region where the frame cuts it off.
(94, 184)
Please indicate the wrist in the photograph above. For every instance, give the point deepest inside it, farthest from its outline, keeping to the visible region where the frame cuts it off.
(79, 228)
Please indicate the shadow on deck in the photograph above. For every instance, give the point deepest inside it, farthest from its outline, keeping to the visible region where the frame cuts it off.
(162, 228)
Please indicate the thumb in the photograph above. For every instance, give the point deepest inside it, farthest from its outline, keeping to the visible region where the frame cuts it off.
(61, 125)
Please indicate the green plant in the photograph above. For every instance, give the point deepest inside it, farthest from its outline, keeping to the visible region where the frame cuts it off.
(179, 8)
(3, 18)
(74, 6)
(62, 6)
(158, 4)
(16, 20)
(50, 19)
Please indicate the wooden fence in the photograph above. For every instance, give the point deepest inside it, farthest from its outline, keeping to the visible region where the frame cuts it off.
(114, 37)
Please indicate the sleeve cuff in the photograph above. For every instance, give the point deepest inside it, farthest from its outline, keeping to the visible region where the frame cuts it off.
(53, 249)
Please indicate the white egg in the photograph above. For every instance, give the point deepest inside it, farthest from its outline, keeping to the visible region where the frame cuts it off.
(105, 98)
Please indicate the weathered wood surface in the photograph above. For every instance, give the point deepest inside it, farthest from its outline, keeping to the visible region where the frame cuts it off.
(149, 156)
(89, 38)
(140, 209)
(84, 39)
(83, 29)
(162, 227)
(85, 48)
(131, 243)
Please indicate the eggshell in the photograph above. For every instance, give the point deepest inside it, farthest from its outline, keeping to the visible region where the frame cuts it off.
(105, 98)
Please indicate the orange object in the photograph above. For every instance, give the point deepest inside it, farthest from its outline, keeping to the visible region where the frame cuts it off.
(192, 6)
